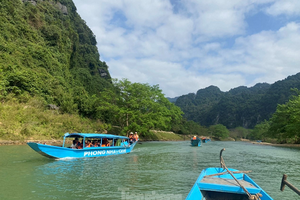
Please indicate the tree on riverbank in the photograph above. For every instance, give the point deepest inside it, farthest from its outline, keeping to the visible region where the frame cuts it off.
(285, 122)
(219, 131)
(137, 107)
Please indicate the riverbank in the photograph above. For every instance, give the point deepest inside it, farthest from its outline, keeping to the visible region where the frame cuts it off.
(277, 145)
(270, 144)
(156, 136)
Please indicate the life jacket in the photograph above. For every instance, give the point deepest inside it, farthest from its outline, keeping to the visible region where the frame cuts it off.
(89, 145)
(103, 145)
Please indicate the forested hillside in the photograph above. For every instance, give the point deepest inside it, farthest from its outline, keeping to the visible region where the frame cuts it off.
(239, 107)
(47, 50)
(49, 60)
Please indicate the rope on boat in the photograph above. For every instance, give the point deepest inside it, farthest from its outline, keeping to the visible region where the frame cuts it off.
(251, 197)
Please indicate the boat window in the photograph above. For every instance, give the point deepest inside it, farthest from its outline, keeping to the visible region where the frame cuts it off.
(73, 142)
(117, 142)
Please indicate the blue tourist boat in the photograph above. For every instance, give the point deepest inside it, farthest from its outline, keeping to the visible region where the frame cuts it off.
(86, 145)
(226, 184)
(195, 141)
(205, 140)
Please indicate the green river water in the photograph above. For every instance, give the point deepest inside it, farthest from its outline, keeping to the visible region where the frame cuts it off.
(153, 170)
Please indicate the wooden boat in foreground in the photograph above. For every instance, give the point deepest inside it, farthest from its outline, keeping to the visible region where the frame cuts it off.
(226, 184)
(118, 145)
(195, 141)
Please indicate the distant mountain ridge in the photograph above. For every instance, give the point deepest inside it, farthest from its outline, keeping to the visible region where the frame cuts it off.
(241, 106)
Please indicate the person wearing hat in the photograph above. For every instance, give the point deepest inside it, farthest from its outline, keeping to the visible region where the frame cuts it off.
(136, 137)
(131, 138)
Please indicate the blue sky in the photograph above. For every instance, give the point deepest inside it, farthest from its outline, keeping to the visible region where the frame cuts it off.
(187, 45)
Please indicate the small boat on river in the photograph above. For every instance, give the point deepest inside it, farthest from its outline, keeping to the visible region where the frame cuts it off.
(195, 141)
(205, 140)
(226, 184)
(91, 145)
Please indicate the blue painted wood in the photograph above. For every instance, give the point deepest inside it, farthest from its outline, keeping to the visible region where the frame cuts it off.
(64, 152)
(201, 188)
(196, 142)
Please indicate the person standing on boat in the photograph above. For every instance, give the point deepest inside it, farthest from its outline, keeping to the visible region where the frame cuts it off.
(136, 137)
(131, 138)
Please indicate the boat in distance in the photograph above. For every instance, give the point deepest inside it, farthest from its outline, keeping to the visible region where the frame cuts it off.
(196, 141)
(91, 145)
(205, 140)
(226, 184)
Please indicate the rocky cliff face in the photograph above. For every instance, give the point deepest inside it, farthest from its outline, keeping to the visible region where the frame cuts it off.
(47, 50)
(58, 5)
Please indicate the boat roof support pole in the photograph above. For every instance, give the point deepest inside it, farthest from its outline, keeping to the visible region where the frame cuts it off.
(64, 142)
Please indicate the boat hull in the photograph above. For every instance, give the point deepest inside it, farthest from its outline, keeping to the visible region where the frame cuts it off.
(63, 152)
(196, 142)
(224, 186)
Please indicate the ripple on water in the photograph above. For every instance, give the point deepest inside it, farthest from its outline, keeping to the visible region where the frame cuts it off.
(153, 169)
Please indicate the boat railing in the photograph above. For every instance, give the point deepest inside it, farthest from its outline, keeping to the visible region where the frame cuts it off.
(285, 182)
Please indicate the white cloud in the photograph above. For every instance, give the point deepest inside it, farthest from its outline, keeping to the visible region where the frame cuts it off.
(184, 47)
(147, 13)
(287, 7)
(271, 55)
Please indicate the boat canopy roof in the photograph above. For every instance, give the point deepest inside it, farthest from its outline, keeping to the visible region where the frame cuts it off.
(95, 135)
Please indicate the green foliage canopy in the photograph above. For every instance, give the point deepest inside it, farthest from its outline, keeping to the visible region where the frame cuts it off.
(219, 131)
(137, 107)
(285, 122)
(45, 52)
(260, 131)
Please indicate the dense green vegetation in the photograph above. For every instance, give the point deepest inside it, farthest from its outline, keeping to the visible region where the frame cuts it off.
(45, 52)
(30, 120)
(239, 107)
(283, 127)
(48, 56)
(137, 107)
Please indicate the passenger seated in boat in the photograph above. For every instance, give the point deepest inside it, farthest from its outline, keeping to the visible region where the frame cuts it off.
(73, 146)
(194, 138)
(78, 145)
(95, 143)
(89, 143)
(105, 143)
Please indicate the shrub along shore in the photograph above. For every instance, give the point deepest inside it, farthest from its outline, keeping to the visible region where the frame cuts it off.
(156, 136)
